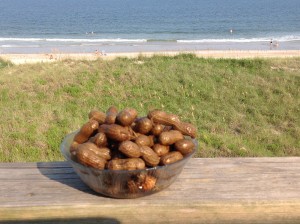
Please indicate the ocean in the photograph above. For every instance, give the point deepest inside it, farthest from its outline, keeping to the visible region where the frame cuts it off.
(39, 26)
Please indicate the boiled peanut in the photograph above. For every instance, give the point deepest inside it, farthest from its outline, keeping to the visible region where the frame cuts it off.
(145, 140)
(171, 157)
(98, 116)
(127, 116)
(184, 146)
(143, 125)
(99, 139)
(161, 150)
(111, 115)
(161, 117)
(130, 149)
(170, 137)
(157, 129)
(150, 157)
(126, 164)
(89, 158)
(86, 131)
(186, 129)
(115, 132)
(102, 152)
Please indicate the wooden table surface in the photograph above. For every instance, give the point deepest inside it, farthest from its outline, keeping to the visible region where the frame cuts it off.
(216, 190)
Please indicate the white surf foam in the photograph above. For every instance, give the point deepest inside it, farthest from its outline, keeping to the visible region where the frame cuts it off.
(243, 40)
(71, 40)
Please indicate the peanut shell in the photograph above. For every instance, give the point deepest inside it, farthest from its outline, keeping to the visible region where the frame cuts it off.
(130, 149)
(150, 157)
(115, 132)
(171, 157)
(126, 164)
(184, 146)
(170, 137)
(89, 158)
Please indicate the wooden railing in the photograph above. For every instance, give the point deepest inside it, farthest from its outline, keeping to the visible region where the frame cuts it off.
(217, 190)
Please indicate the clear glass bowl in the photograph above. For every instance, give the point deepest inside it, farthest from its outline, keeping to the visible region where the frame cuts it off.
(126, 183)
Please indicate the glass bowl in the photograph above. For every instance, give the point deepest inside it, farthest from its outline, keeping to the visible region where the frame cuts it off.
(126, 183)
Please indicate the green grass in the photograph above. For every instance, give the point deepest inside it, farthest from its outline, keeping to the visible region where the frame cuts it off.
(248, 107)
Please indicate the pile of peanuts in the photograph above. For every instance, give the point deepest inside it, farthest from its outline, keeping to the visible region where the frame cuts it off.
(120, 140)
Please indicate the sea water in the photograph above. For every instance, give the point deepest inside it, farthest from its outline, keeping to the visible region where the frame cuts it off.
(134, 25)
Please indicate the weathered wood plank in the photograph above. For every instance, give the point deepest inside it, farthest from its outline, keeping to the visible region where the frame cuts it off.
(225, 190)
(165, 213)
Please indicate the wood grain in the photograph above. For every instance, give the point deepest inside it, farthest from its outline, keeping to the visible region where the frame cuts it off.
(218, 190)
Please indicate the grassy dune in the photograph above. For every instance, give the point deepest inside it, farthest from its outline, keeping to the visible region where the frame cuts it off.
(241, 107)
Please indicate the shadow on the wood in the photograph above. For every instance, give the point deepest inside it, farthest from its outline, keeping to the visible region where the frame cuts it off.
(65, 175)
(69, 220)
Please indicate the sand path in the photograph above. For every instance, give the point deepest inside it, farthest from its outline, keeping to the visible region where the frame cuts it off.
(38, 58)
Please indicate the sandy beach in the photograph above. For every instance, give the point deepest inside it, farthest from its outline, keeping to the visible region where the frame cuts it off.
(238, 54)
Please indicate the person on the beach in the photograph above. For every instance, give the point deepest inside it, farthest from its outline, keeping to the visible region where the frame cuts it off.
(271, 43)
